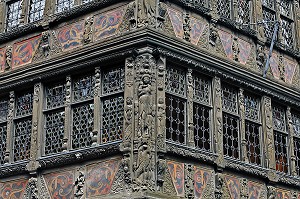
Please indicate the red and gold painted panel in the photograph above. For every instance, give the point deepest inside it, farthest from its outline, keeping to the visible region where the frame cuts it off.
(299, 196)
(60, 185)
(283, 194)
(107, 24)
(233, 185)
(177, 174)
(274, 63)
(2, 59)
(197, 28)
(227, 42)
(71, 36)
(245, 49)
(201, 178)
(289, 70)
(100, 177)
(24, 51)
(254, 190)
(176, 20)
(13, 189)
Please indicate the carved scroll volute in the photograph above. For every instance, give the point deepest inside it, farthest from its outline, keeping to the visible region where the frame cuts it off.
(291, 140)
(242, 123)
(190, 96)
(97, 93)
(218, 132)
(269, 148)
(10, 117)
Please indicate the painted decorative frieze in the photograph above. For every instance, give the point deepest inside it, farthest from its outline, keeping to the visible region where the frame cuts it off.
(107, 24)
(177, 22)
(233, 186)
(202, 179)
(24, 51)
(2, 59)
(71, 36)
(227, 42)
(245, 50)
(13, 189)
(274, 65)
(289, 70)
(254, 190)
(60, 185)
(197, 29)
(177, 174)
(100, 177)
(283, 194)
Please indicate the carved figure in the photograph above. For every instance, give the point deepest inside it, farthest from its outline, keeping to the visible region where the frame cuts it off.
(146, 13)
(45, 44)
(281, 68)
(33, 188)
(87, 35)
(79, 184)
(213, 35)
(271, 192)
(219, 185)
(235, 49)
(128, 117)
(261, 56)
(187, 27)
(8, 56)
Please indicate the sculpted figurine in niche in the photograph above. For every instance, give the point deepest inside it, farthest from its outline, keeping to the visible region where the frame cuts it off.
(8, 56)
(146, 12)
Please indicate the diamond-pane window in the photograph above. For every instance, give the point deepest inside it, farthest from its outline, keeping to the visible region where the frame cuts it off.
(269, 15)
(229, 99)
(244, 8)
(285, 7)
(175, 121)
(296, 124)
(112, 119)
(287, 32)
(83, 88)
(83, 121)
(278, 115)
(201, 90)
(63, 5)
(3, 109)
(55, 96)
(113, 81)
(230, 136)
(3, 135)
(253, 142)
(281, 151)
(297, 155)
(176, 81)
(14, 11)
(251, 107)
(24, 104)
(36, 11)
(224, 8)
(22, 139)
(201, 122)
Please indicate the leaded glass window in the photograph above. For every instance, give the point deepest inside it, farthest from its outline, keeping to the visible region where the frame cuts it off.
(86, 1)
(229, 99)
(22, 139)
(285, 7)
(281, 153)
(202, 127)
(224, 8)
(268, 3)
(14, 11)
(113, 80)
(36, 10)
(269, 16)
(3, 128)
(297, 155)
(63, 5)
(176, 81)
(24, 104)
(112, 119)
(244, 10)
(83, 88)
(252, 108)
(231, 136)
(296, 124)
(175, 121)
(202, 90)
(287, 31)
(278, 115)
(55, 96)
(3, 109)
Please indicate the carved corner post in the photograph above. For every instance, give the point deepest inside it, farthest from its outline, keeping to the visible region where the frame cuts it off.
(24, 9)
(291, 141)
(213, 11)
(267, 125)
(244, 156)
(67, 130)
(97, 108)
(161, 122)
(190, 96)
(10, 127)
(297, 23)
(126, 146)
(218, 127)
(33, 165)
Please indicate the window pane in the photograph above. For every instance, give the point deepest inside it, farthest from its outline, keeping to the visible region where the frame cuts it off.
(175, 81)
(63, 5)
(201, 127)
(201, 90)
(229, 99)
(22, 139)
(54, 131)
(269, 27)
(36, 10)
(285, 7)
(83, 88)
(230, 136)
(296, 124)
(223, 8)
(83, 121)
(281, 154)
(3, 134)
(112, 119)
(175, 122)
(24, 104)
(55, 96)
(269, 3)
(297, 155)
(253, 144)
(14, 11)
(287, 32)
(278, 118)
(3, 109)
(251, 107)
(244, 9)
(113, 81)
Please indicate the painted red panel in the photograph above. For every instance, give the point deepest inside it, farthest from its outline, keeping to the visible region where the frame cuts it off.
(13, 189)
(177, 174)
(227, 42)
(197, 28)
(234, 187)
(299, 196)
(24, 51)
(254, 190)
(274, 63)
(100, 177)
(245, 49)
(176, 20)
(201, 178)
(289, 70)
(282, 194)
(107, 24)
(60, 185)
(2, 59)
(71, 36)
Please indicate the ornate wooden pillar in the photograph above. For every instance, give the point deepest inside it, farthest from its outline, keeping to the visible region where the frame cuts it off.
(218, 127)
(2, 15)
(97, 108)
(267, 125)
(297, 23)
(10, 127)
(291, 141)
(258, 17)
(244, 156)
(190, 96)
(67, 130)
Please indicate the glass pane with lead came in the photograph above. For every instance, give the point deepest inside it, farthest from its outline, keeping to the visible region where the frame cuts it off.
(230, 136)
(55, 96)
(63, 5)
(36, 11)
(269, 27)
(297, 155)
(251, 107)
(278, 115)
(22, 139)
(3, 135)
(253, 142)
(296, 124)
(176, 81)
(113, 81)
(13, 14)
(229, 99)
(83, 88)
(244, 9)
(3, 109)
(201, 90)
(285, 7)
(24, 104)
(287, 32)
(202, 127)
(223, 8)
(281, 154)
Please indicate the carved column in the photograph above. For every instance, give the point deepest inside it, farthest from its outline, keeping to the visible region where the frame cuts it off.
(218, 127)
(242, 125)
(2, 15)
(190, 96)
(258, 14)
(67, 130)
(291, 141)
(297, 23)
(33, 165)
(10, 127)
(189, 181)
(187, 26)
(97, 107)
(267, 125)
